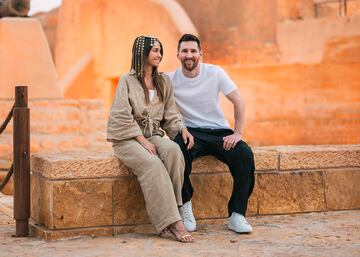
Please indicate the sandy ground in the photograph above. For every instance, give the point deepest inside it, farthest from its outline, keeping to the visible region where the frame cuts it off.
(311, 234)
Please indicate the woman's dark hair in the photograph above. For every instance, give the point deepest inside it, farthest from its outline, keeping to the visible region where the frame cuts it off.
(140, 54)
(189, 37)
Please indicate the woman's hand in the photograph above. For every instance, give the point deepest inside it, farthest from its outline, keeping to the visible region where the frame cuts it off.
(187, 137)
(146, 144)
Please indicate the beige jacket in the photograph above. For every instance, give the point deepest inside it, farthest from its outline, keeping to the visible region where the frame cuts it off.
(130, 116)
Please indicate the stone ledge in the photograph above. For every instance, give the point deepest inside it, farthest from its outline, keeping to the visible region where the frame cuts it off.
(70, 165)
(84, 164)
(76, 194)
(316, 157)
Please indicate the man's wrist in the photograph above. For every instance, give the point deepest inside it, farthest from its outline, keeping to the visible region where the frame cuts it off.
(181, 129)
(238, 133)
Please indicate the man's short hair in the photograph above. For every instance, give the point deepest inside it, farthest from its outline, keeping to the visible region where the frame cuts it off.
(189, 37)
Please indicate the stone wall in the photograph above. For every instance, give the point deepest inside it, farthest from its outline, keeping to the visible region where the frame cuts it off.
(57, 125)
(25, 60)
(76, 194)
(235, 28)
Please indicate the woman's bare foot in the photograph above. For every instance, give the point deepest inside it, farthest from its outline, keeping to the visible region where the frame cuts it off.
(180, 233)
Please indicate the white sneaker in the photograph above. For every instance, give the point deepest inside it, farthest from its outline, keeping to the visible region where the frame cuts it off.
(239, 224)
(188, 216)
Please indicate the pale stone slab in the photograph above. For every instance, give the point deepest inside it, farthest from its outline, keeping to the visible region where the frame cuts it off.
(129, 203)
(342, 189)
(51, 235)
(68, 165)
(315, 157)
(290, 192)
(82, 203)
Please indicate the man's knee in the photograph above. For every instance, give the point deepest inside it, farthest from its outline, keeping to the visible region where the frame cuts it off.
(242, 152)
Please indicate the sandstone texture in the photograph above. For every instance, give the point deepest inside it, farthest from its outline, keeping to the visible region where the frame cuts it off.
(342, 189)
(80, 191)
(314, 157)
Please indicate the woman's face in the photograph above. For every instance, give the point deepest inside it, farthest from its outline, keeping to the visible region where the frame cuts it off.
(155, 57)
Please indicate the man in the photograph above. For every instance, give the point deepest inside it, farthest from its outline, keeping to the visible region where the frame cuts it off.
(197, 88)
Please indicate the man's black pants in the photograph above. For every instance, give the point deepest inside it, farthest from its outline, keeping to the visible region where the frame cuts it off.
(239, 159)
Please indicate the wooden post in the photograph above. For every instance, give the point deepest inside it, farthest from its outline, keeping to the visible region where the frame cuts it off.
(342, 8)
(345, 7)
(21, 143)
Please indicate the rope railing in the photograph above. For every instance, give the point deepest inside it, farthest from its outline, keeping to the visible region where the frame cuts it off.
(2, 128)
(7, 177)
(21, 160)
(7, 120)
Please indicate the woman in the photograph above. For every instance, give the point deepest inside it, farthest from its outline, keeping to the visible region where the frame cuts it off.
(144, 106)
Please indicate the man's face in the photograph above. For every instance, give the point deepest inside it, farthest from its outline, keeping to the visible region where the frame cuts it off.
(189, 54)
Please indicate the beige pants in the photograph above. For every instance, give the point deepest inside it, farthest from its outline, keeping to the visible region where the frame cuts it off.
(160, 176)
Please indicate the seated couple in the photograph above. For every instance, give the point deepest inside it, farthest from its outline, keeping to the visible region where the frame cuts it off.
(147, 102)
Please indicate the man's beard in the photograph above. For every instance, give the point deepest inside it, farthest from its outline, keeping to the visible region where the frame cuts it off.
(192, 67)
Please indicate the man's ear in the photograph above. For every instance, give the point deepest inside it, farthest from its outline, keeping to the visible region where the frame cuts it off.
(201, 53)
(177, 54)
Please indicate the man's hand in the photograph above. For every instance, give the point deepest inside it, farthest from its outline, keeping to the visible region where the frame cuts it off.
(147, 144)
(231, 140)
(187, 137)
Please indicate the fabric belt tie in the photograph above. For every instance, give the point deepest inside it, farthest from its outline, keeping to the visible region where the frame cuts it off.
(148, 124)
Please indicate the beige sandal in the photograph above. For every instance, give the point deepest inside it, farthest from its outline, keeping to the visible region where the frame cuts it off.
(181, 237)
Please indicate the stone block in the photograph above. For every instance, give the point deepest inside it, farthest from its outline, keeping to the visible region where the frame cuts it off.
(265, 159)
(51, 235)
(290, 192)
(253, 204)
(129, 203)
(72, 165)
(342, 189)
(315, 157)
(211, 195)
(41, 198)
(82, 203)
(208, 164)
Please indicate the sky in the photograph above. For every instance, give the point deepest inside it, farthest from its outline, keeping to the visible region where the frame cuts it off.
(43, 5)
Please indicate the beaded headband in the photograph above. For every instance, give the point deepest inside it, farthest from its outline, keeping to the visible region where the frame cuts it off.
(138, 52)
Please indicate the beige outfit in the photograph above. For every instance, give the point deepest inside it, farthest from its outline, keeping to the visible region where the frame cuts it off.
(160, 176)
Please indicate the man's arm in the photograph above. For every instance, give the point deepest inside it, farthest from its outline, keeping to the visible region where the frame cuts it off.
(236, 99)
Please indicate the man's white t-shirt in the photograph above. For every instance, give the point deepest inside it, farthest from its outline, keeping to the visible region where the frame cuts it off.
(198, 99)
